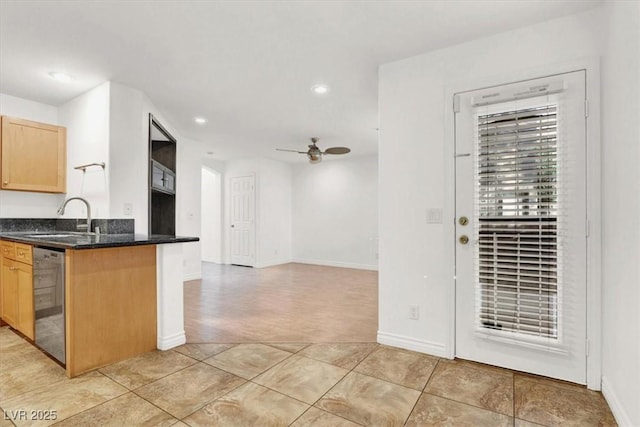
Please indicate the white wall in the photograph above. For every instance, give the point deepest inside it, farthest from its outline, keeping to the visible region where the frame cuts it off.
(211, 218)
(129, 155)
(128, 147)
(413, 264)
(26, 109)
(335, 212)
(110, 124)
(188, 209)
(273, 208)
(621, 210)
(86, 118)
(416, 258)
(274, 213)
(23, 204)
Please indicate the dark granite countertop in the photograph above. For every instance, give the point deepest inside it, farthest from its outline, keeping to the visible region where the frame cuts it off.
(70, 240)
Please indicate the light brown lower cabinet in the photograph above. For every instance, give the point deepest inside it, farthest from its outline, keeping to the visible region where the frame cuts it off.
(17, 289)
(9, 293)
(110, 301)
(111, 308)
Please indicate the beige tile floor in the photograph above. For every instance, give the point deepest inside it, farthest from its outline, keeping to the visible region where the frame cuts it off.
(322, 384)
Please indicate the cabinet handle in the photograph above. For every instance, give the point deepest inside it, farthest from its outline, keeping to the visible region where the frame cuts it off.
(6, 183)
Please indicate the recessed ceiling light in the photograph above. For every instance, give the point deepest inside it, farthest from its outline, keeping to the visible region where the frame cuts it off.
(320, 89)
(61, 77)
(200, 120)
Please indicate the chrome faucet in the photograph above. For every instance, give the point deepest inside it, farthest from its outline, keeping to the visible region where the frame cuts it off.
(86, 226)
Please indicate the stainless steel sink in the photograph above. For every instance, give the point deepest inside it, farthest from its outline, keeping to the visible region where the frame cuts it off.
(48, 236)
(59, 235)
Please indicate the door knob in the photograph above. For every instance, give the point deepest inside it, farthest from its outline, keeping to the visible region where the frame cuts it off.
(464, 239)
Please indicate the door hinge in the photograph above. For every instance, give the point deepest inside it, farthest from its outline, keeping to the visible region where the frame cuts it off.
(586, 108)
(456, 103)
(586, 347)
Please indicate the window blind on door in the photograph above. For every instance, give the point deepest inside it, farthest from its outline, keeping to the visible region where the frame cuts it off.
(517, 212)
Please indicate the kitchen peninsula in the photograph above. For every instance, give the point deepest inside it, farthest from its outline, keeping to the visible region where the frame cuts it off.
(122, 292)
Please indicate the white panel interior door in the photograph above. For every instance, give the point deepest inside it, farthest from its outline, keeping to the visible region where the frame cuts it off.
(243, 229)
(520, 183)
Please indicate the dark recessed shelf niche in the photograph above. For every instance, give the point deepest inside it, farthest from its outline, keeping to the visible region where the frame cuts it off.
(162, 179)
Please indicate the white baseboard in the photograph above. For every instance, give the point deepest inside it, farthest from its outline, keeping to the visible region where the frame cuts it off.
(171, 341)
(619, 413)
(192, 276)
(271, 263)
(408, 343)
(336, 264)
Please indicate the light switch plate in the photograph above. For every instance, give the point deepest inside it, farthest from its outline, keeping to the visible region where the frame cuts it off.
(434, 216)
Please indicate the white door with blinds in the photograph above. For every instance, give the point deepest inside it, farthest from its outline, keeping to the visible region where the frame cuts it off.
(521, 226)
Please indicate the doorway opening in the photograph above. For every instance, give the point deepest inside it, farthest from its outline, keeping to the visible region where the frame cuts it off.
(211, 238)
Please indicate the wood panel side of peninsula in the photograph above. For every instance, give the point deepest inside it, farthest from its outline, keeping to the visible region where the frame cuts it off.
(111, 308)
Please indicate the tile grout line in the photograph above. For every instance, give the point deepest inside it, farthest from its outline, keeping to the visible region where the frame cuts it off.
(465, 403)
(421, 392)
(133, 391)
(129, 390)
(312, 405)
(431, 375)
(150, 382)
(207, 403)
(513, 398)
(338, 366)
(338, 382)
(240, 385)
(3, 416)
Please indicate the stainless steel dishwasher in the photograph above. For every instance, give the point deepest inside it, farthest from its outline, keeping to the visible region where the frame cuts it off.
(48, 298)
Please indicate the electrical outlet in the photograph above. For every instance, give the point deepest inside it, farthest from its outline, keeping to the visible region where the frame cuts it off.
(128, 209)
(414, 312)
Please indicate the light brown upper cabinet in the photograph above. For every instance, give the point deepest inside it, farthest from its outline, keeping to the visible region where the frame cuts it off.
(33, 156)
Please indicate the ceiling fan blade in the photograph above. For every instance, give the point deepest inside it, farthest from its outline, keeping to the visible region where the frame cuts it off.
(292, 151)
(337, 150)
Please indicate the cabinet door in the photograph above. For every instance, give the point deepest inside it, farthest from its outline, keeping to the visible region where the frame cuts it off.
(33, 156)
(9, 292)
(26, 312)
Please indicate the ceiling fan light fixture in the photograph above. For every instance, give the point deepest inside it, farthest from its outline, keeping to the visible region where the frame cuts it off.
(314, 154)
(314, 157)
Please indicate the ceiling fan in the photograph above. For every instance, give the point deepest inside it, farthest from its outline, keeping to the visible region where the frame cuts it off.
(315, 154)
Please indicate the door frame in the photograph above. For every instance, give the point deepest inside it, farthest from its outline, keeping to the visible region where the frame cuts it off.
(593, 183)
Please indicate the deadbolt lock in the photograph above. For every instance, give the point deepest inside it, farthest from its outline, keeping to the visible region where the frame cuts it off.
(463, 220)
(464, 239)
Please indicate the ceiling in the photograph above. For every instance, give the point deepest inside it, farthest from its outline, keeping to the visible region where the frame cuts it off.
(246, 66)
